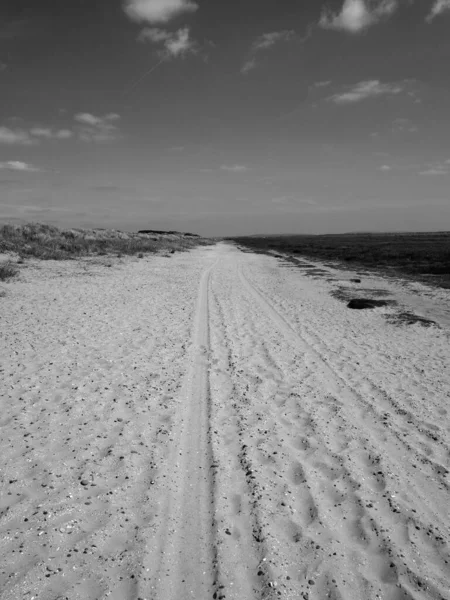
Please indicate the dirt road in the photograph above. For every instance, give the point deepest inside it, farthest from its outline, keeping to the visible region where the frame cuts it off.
(216, 425)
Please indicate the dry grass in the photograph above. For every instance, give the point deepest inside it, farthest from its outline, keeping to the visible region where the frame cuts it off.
(51, 243)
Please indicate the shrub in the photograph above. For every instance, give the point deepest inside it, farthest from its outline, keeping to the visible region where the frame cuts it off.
(7, 270)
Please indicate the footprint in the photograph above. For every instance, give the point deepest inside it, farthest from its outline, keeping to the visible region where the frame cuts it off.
(297, 474)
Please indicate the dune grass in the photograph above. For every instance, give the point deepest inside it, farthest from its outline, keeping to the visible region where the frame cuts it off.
(52, 243)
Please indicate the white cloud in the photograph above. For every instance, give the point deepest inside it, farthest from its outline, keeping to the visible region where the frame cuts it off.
(438, 8)
(176, 44)
(438, 168)
(365, 90)
(234, 168)
(358, 15)
(41, 132)
(434, 171)
(49, 134)
(264, 42)
(157, 11)
(97, 129)
(385, 168)
(17, 165)
(17, 137)
(63, 134)
(267, 40)
(248, 65)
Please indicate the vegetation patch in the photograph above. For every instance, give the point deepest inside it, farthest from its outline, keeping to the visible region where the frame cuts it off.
(342, 294)
(408, 318)
(7, 270)
(51, 243)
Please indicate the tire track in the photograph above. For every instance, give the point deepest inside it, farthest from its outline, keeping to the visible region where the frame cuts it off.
(183, 560)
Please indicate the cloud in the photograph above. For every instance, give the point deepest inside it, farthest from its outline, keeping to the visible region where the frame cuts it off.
(157, 11)
(264, 42)
(267, 40)
(49, 134)
(358, 15)
(434, 171)
(440, 168)
(404, 126)
(97, 129)
(17, 165)
(17, 137)
(248, 65)
(438, 8)
(63, 134)
(234, 168)
(176, 44)
(365, 90)
(385, 168)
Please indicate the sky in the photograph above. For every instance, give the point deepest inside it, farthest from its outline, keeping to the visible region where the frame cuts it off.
(226, 117)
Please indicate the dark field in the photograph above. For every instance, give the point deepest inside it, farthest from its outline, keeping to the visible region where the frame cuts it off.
(422, 256)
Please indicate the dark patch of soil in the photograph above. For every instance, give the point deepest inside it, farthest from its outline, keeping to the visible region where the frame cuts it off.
(363, 303)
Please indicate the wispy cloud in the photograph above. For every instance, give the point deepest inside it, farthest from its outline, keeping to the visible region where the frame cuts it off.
(17, 165)
(439, 7)
(402, 125)
(438, 168)
(15, 137)
(234, 168)
(264, 42)
(267, 40)
(157, 11)
(50, 134)
(249, 64)
(97, 129)
(357, 15)
(175, 44)
(365, 90)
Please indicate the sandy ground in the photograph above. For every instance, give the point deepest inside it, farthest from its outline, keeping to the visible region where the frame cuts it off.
(215, 425)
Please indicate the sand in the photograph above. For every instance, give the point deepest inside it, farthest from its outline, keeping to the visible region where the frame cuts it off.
(216, 425)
